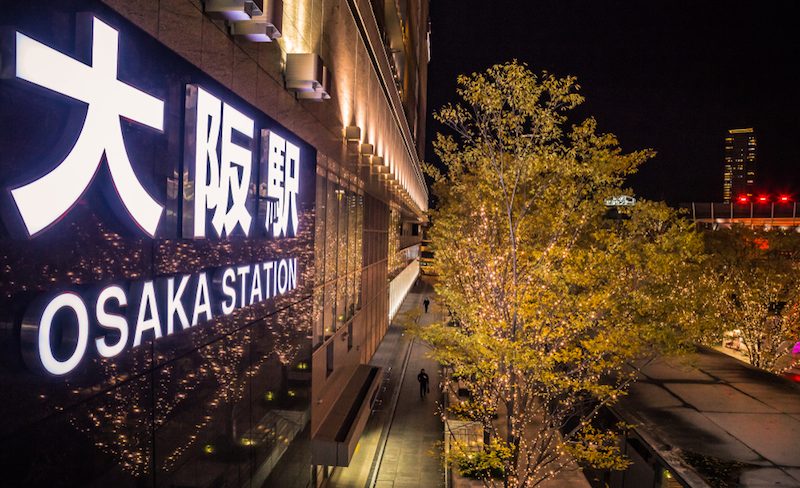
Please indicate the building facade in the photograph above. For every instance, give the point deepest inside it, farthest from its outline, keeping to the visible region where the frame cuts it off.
(740, 164)
(210, 213)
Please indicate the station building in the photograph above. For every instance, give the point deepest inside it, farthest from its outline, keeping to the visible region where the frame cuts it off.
(210, 214)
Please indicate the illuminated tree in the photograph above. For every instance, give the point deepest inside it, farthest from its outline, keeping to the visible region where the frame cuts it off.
(552, 293)
(758, 291)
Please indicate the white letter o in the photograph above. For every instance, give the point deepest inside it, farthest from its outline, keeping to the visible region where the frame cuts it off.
(49, 361)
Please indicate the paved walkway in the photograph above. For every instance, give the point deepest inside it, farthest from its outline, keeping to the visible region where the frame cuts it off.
(398, 447)
(717, 408)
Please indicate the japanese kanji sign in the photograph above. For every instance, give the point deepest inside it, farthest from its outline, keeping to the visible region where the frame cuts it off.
(282, 185)
(108, 99)
(221, 170)
(222, 147)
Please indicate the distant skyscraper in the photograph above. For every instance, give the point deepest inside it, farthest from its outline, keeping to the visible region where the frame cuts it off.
(740, 164)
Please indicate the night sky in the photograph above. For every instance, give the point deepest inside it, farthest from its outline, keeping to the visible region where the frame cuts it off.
(672, 76)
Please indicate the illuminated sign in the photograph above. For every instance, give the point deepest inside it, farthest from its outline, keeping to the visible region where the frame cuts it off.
(219, 146)
(620, 201)
(234, 173)
(108, 99)
(58, 331)
(283, 185)
(221, 171)
(221, 183)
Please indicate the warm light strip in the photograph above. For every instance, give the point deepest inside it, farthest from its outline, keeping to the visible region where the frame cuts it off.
(401, 121)
(400, 286)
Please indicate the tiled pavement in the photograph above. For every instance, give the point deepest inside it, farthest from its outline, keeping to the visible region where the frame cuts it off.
(398, 447)
(720, 408)
(412, 455)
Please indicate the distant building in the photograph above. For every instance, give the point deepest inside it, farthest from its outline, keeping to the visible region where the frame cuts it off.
(740, 164)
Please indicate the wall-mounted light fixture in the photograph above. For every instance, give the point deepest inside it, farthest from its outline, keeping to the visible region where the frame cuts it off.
(231, 10)
(263, 27)
(352, 133)
(307, 76)
(378, 165)
(365, 154)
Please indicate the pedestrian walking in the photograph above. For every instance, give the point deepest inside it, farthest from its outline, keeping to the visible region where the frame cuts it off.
(427, 303)
(423, 379)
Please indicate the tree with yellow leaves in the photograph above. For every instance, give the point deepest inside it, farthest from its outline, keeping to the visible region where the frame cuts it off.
(758, 291)
(553, 293)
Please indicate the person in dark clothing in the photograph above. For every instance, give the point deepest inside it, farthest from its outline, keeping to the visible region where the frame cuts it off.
(422, 377)
(427, 303)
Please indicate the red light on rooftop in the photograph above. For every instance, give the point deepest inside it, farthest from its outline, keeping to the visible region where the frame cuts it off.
(763, 199)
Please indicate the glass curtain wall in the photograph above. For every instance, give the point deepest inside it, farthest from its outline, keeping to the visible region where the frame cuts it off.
(338, 245)
(374, 274)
